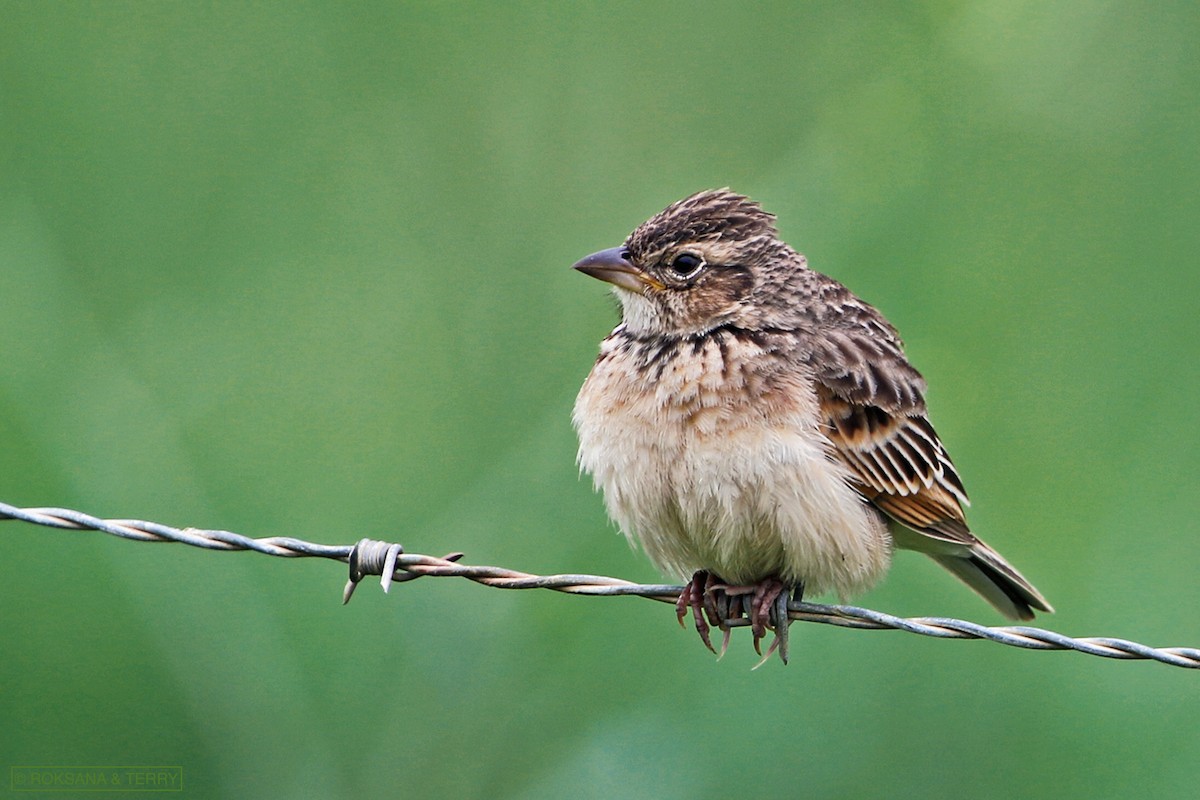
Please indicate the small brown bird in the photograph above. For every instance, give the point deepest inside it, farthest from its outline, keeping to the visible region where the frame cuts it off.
(757, 427)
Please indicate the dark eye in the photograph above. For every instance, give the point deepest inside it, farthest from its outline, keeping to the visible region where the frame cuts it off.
(686, 265)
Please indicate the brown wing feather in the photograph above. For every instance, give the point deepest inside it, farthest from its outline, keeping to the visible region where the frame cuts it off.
(900, 466)
(873, 403)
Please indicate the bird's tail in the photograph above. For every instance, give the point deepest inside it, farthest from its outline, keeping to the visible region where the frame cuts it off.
(984, 570)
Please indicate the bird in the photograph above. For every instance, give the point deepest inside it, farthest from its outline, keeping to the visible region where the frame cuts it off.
(759, 431)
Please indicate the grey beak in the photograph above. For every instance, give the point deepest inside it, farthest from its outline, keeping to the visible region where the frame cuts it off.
(613, 265)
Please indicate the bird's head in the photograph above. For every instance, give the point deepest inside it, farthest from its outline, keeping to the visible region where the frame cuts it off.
(693, 266)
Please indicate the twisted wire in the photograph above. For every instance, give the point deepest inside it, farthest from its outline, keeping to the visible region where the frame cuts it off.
(389, 561)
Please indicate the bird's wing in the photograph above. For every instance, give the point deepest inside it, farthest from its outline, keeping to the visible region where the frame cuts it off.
(873, 404)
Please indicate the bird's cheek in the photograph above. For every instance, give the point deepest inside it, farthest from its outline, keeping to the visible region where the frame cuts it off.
(712, 303)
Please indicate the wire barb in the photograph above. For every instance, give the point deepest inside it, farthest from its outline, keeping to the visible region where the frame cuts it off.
(393, 565)
(372, 557)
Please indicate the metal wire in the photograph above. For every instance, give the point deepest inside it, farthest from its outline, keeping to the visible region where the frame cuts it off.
(388, 560)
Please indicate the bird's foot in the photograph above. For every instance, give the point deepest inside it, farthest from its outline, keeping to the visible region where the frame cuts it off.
(716, 604)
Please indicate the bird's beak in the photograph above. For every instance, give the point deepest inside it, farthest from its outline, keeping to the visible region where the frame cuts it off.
(614, 266)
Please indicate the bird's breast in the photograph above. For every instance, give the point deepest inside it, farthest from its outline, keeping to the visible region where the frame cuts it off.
(709, 452)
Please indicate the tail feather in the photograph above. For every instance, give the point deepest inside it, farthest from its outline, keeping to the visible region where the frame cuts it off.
(984, 570)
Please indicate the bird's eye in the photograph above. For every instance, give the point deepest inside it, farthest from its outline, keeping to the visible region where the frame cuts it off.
(685, 265)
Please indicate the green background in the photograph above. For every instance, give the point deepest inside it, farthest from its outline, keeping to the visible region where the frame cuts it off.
(303, 269)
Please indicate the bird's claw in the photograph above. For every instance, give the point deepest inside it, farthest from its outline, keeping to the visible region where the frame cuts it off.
(774, 616)
(699, 596)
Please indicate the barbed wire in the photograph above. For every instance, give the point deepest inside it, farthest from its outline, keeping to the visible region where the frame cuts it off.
(393, 565)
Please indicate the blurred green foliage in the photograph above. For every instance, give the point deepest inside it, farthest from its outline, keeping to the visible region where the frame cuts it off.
(302, 269)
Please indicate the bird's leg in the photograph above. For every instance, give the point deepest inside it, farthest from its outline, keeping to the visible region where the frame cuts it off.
(699, 595)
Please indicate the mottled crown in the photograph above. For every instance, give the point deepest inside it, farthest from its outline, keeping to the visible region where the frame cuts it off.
(710, 216)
